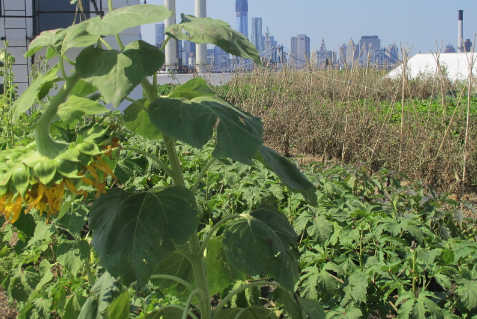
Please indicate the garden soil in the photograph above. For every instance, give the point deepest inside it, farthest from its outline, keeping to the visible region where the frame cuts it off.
(6, 310)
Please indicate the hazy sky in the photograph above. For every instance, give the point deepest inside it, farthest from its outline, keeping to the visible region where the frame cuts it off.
(418, 22)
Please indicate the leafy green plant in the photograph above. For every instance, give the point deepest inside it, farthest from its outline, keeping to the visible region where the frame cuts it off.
(374, 247)
(149, 238)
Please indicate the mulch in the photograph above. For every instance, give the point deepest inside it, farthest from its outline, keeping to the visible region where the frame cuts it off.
(6, 310)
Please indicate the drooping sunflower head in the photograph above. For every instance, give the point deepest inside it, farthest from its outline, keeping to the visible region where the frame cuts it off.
(30, 180)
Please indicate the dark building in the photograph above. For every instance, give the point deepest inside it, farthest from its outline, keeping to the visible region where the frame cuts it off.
(468, 45)
(241, 8)
(257, 35)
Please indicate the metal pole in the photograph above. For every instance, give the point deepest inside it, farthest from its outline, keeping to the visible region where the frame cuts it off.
(171, 46)
(201, 49)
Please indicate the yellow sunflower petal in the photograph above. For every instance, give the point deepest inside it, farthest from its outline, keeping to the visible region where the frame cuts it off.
(93, 172)
(13, 208)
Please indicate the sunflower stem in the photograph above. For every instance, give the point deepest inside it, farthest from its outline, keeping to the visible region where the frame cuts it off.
(45, 145)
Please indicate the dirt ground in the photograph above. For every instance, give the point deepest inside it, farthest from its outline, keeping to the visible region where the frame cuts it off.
(6, 311)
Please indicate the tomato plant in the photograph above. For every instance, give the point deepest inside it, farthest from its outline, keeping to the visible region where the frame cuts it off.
(149, 235)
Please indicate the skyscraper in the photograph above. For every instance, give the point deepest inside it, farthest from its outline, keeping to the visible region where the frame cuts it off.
(300, 49)
(350, 52)
(342, 54)
(270, 43)
(159, 33)
(241, 8)
(369, 44)
(324, 57)
(256, 37)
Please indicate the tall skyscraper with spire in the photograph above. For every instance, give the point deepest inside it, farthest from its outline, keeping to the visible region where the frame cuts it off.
(241, 8)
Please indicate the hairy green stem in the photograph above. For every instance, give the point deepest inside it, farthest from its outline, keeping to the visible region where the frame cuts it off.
(89, 273)
(202, 173)
(189, 301)
(105, 43)
(224, 301)
(62, 68)
(361, 249)
(163, 46)
(154, 158)
(185, 255)
(211, 232)
(169, 277)
(178, 307)
(150, 93)
(177, 176)
(137, 103)
(414, 272)
(200, 274)
(27, 128)
(45, 145)
(237, 316)
(120, 43)
(198, 260)
(158, 188)
(118, 39)
(69, 61)
(154, 84)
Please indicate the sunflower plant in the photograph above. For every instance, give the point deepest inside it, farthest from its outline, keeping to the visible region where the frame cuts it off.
(153, 237)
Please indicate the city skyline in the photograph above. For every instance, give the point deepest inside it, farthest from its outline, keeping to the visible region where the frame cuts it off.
(416, 25)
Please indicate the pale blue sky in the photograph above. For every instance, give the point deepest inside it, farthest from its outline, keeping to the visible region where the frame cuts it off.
(418, 22)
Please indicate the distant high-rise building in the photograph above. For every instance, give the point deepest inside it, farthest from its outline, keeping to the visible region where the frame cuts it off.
(270, 44)
(256, 37)
(350, 52)
(449, 49)
(179, 52)
(342, 55)
(221, 59)
(369, 44)
(392, 53)
(468, 45)
(159, 33)
(241, 8)
(323, 57)
(300, 49)
(189, 51)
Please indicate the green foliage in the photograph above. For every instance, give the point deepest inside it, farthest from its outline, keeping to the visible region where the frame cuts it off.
(372, 245)
(134, 232)
(152, 213)
(206, 30)
(117, 73)
(137, 249)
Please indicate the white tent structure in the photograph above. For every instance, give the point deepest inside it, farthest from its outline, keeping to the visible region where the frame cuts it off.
(455, 65)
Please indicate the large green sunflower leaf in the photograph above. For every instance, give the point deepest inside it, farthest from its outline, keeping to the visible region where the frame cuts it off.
(136, 118)
(254, 248)
(288, 173)
(211, 31)
(76, 107)
(117, 73)
(134, 232)
(239, 134)
(120, 19)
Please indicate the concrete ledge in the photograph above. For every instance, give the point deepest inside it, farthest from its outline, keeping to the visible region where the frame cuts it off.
(212, 78)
